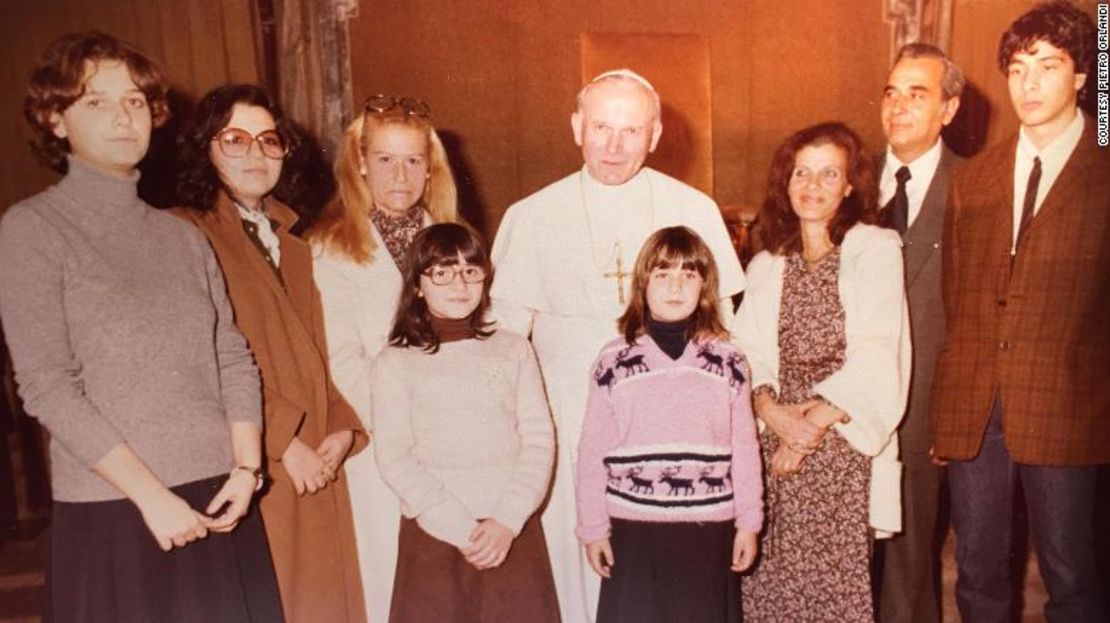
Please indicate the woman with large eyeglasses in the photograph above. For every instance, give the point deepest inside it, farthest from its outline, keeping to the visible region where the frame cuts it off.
(394, 179)
(826, 331)
(233, 166)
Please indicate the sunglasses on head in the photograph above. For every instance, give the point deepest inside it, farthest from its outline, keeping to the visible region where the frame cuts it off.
(382, 104)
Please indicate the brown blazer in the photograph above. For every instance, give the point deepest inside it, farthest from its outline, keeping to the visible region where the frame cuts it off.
(1039, 336)
(311, 537)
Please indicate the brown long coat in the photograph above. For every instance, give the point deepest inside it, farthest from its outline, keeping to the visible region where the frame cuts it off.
(1038, 337)
(311, 537)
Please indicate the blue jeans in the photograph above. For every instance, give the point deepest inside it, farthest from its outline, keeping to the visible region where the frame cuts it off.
(1060, 505)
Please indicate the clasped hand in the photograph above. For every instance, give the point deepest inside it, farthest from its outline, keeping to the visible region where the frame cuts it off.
(801, 429)
(489, 544)
(173, 523)
(312, 470)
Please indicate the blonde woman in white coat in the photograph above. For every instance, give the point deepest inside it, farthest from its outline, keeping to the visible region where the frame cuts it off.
(394, 179)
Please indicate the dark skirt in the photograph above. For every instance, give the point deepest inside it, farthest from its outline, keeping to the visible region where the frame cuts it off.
(106, 566)
(435, 583)
(670, 573)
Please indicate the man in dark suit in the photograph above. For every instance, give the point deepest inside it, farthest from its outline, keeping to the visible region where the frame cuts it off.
(1022, 392)
(921, 97)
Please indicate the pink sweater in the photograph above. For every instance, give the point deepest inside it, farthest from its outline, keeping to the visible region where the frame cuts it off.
(668, 440)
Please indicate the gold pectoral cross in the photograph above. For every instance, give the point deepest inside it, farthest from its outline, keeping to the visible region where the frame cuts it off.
(620, 275)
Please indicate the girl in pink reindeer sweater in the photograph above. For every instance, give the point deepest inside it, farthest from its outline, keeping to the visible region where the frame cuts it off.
(669, 478)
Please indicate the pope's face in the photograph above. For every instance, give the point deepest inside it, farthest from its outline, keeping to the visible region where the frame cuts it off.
(616, 128)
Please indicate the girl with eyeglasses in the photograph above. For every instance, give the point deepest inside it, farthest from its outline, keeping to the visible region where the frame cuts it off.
(235, 159)
(394, 179)
(125, 349)
(464, 437)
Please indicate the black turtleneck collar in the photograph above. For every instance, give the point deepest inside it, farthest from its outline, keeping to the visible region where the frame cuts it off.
(669, 336)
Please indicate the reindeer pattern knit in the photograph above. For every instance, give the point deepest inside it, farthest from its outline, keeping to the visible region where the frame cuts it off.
(668, 440)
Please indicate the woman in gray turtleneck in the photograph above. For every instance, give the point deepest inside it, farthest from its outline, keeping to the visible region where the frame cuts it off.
(124, 348)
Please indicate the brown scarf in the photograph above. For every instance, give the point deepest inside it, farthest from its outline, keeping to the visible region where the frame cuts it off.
(398, 231)
(452, 330)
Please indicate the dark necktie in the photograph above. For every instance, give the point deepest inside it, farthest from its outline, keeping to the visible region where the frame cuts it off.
(898, 208)
(1029, 202)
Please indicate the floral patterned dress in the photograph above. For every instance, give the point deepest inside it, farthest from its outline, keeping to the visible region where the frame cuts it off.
(814, 562)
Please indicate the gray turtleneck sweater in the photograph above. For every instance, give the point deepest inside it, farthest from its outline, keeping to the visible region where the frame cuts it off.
(120, 330)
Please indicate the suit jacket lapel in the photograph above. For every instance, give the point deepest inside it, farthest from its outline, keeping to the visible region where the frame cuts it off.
(1002, 225)
(1056, 200)
(922, 239)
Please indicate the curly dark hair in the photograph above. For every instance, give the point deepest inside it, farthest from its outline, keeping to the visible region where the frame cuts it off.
(779, 225)
(59, 81)
(438, 245)
(1061, 24)
(198, 182)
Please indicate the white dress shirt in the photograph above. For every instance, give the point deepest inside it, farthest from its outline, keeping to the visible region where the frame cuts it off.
(1053, 158)
(921, 176)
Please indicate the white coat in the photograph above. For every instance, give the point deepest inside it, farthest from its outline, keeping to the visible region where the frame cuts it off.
(873, 384)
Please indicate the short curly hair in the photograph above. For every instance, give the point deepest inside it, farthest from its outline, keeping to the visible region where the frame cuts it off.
(1061, 24)
(59, 81)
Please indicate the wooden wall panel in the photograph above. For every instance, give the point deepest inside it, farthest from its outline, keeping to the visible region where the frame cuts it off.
(501, 76)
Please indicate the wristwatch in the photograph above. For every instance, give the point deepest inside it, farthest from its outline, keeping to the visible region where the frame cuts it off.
(258, 473)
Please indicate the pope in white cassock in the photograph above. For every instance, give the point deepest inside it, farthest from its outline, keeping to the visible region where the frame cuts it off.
(563, 258)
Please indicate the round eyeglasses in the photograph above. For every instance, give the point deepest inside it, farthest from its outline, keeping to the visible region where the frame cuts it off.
(382, 104)
(236, 143)
(442, 275)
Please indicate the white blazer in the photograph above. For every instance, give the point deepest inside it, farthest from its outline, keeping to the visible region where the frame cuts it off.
(359, 302)
(873, 384)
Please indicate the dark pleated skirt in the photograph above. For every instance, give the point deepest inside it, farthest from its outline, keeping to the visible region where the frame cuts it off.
(435, 583)
(670, 573)
(105, 566)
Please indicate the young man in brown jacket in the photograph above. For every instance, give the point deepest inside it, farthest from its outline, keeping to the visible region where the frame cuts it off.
(1022, 391)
